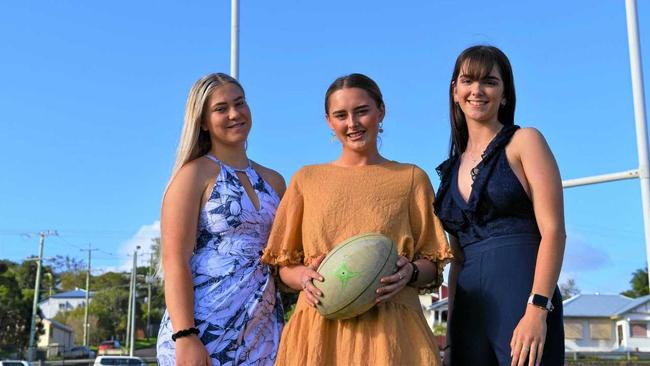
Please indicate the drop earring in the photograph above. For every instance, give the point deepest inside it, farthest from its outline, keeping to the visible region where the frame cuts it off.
(332, 137)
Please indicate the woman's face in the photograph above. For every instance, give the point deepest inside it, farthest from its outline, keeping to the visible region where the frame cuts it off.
(227, 117)
(479, 100)
(354, 117)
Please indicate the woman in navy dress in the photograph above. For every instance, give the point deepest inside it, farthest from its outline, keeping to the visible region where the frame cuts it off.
(500, 199)
(223, 307)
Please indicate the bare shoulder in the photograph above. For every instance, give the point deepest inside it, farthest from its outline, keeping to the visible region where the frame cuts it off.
(528, 139)
(194, 176)
(528, 135)
(274, 178)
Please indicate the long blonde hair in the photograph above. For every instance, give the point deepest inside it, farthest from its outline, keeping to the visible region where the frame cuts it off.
(194, 141)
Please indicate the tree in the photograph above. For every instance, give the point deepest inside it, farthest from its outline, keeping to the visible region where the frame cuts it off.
(639, 283)
(16, 307)
(569, 289)
(75, 319)
(72, 272)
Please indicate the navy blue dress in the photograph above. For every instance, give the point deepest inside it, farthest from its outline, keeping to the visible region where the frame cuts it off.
(499, 236)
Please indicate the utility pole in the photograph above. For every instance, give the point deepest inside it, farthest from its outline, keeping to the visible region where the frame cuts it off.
(37, 287)
(149, 280)
(86, 325)
(134, 287)
(128, 313)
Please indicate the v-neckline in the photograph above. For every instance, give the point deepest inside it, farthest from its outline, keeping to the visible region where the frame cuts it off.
(248, 175)
(456, 188)
(246, 171)
(478, 168)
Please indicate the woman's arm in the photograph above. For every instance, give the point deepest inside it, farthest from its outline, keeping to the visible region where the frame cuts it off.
(300, 277)
(545, 189)
(179, 219)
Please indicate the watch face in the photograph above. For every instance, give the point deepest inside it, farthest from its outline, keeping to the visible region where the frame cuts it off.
(541, 301)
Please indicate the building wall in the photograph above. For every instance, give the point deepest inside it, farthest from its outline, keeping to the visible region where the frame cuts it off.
(52, 306)
(55, 335)
(590, 334)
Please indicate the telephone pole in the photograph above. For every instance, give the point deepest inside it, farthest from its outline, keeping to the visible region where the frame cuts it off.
(86, 325)
(133, 302)
(37, 286)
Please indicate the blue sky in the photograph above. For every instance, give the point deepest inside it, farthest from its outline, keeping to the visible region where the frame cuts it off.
(92, 97)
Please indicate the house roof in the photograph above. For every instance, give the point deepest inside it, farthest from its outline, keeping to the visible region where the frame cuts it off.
(596, 305)
(442, 304)
(59, 325)
(634, 303)
(75, 294)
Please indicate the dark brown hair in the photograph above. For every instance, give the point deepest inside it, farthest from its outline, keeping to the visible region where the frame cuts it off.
(477, 63)
(355, 81)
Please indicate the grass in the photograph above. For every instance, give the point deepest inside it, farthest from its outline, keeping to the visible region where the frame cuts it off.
(144, 343)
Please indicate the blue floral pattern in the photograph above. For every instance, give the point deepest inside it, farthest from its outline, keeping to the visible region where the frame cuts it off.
(237, 308)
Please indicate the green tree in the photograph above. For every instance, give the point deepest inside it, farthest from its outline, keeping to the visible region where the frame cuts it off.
(639, 283)
(569, 289)
(110, 306)
(75, 319)
(16, 306)
(71, 272)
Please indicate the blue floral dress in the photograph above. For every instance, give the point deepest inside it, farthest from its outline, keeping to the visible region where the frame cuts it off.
(237, 308)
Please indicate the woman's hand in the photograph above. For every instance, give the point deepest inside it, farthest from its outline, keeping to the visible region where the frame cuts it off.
(191, 352)
(528, 338)
(395, 282)
(306, 280)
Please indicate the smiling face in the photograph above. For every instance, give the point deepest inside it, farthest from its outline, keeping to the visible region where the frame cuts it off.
(227, 117)
(479, 99)
(354, 117)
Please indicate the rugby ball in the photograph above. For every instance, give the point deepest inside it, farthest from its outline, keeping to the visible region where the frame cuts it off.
(351, 273)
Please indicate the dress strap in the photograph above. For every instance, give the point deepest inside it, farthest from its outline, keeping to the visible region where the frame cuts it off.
(213, 158)
(222, 164)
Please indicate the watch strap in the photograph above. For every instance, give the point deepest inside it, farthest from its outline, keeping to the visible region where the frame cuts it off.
(541, 301)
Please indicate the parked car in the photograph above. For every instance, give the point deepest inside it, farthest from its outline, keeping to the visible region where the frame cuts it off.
(14, 363)
(109, 348)
(119, 360)
(79, 352)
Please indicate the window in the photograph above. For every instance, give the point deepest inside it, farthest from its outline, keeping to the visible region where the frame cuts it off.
(600, 329)
(61, 306)
(639, 330)
(573, 329)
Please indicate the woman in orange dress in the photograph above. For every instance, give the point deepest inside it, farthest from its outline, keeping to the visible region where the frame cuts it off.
(359, 192)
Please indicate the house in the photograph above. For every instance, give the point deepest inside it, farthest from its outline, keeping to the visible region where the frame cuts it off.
(434, 306)
(63, 302)
(606, 323)
(57, 338)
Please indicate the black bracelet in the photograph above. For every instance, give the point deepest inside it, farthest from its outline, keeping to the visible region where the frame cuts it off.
(184, 333)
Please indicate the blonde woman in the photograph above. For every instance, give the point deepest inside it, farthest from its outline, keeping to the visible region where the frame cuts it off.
(222, 303)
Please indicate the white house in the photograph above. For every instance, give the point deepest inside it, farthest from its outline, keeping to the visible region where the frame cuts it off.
(606, 323)
(57, 338)
(434, 306)
(63, 302)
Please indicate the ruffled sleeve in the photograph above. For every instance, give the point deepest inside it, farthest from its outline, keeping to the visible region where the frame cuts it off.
(284, 246)
(430, 241)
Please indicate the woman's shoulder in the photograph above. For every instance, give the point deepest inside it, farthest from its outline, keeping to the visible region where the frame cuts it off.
(198, 170)
(193, 177)
(527, 138)
(272, 177)
(527, 134)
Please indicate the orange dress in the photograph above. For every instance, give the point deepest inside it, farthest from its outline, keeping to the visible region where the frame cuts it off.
(326, 204)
